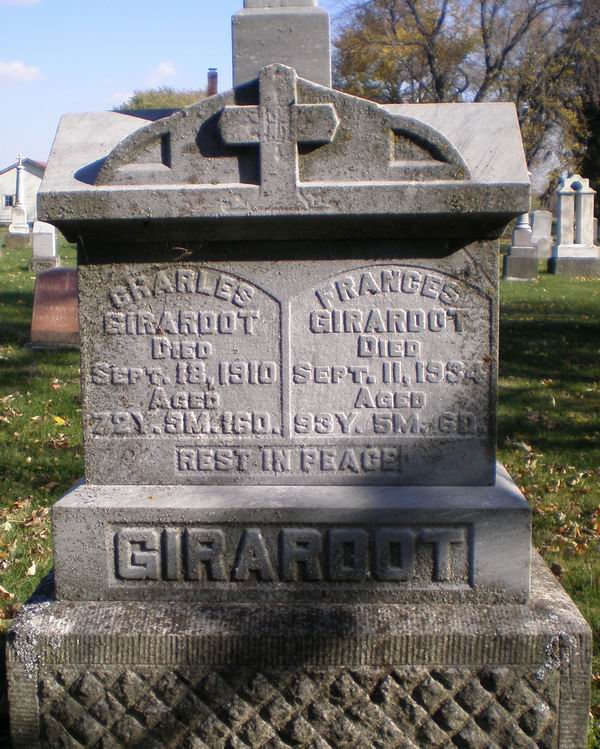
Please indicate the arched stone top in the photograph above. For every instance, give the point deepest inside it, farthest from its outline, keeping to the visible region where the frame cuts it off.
(278, 133)
(574, 183)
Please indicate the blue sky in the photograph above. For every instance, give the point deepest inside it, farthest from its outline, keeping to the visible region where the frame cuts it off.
(60, 56)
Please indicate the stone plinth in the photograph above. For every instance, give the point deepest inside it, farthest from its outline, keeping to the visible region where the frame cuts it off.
(269, 545)
(55, 318)
(44, 247)
(291, 32)
(417, 676)
(520, 264)
(18, 234)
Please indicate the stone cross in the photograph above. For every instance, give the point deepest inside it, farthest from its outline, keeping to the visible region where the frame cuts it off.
(277, 126)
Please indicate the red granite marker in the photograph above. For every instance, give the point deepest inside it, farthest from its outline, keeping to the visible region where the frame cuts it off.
(55, 320)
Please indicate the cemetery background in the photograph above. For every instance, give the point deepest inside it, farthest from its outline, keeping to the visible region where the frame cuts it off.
(548, 432)
(549, 436)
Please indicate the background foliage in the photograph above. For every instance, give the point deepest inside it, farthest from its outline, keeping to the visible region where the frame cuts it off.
(543, 55)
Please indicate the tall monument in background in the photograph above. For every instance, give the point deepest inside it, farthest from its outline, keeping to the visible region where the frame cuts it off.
(18, 230)
(293, 531)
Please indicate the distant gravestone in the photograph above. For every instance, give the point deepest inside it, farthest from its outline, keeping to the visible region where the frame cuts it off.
(293, 530)
(45, 243)
(575, 252)
(18, 234)
(55, 318)
(520, 264)
(541, 226)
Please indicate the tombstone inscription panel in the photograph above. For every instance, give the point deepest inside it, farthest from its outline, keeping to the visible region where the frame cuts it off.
(353, 372)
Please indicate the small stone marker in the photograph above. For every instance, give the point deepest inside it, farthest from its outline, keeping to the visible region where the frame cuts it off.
(541, 225)
(291, 32)
(293, 529)
(575, 252)
(520, 264)
(44, 247)
(18, 234)
(55, 319)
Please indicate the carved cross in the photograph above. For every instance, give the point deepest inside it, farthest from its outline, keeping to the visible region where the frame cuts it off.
(277, 126)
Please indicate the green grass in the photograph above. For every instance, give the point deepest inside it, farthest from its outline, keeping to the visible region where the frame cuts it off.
(549, 435)
(40, 442)
(549, 431)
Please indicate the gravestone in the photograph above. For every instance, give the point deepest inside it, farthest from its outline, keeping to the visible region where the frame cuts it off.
(575, 252)
(18, 230)
(55, 318)
(44, 247)
(520, 264)
(541, 225)
(293, 530)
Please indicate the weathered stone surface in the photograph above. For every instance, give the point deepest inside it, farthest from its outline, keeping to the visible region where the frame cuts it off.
(425, 676)
(291, 32)
(55, 319)
(575, 252)
(320, 372)
(583, 267)
(379, 544)
(44, 247)
(281, 165)
(520, 267)
(541, 225)
(544, 248)
(38, 266)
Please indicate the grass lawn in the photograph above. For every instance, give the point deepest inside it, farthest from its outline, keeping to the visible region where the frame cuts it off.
(549, 435)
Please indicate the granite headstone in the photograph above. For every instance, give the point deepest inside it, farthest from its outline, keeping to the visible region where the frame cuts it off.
(575, 252)
(55, 317)
(293, 531)
(541, 225)
(44, 239)
(520, 263)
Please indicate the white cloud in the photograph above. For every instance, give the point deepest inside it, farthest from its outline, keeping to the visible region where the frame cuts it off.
(18, 72)
(162, 73)
(19, 2)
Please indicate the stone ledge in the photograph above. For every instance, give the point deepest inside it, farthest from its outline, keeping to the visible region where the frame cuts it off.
(583, 267)
(39, 265)
(82, 672)
(365, 544)
(518, 268)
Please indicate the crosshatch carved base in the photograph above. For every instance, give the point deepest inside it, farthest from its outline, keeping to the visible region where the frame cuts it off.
(211, 676)
(366, 707)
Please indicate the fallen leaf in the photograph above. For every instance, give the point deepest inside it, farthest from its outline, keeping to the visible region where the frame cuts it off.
(60, 421)
(32, 570)
(5, 595)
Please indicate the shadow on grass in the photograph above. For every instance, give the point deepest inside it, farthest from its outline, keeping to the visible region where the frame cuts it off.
(15, 312)
(557, 349)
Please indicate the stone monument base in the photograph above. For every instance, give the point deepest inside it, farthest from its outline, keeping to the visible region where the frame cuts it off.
(584, 267)
(17, 241)
(270, 544)
(38, 265)
(520, 268)
(201, 675)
